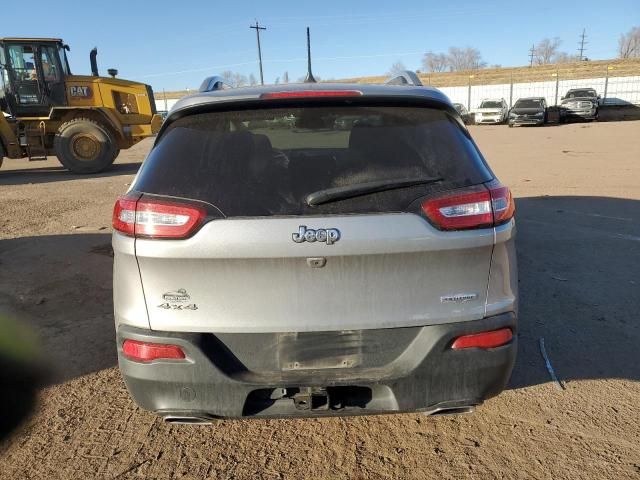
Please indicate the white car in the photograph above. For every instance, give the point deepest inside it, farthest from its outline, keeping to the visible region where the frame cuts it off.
(492, 110)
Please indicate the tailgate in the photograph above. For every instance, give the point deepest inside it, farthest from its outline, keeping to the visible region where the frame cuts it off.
(249, 275)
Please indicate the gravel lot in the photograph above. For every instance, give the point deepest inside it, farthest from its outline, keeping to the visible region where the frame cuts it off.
(578, 200)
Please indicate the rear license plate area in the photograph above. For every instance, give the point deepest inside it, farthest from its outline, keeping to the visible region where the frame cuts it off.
(320, 350)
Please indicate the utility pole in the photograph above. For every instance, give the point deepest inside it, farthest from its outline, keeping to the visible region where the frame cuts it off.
(532, 53)
(258, 28)
(310, 78)
(582, 44)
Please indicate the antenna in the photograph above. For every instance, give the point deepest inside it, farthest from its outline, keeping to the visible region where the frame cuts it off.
(309, 78)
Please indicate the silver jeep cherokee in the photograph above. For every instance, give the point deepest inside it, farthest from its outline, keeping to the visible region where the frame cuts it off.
(312, 250)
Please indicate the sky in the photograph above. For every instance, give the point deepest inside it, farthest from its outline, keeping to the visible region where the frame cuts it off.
(174, 45)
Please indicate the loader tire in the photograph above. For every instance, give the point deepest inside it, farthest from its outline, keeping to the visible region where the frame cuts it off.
(85, 146)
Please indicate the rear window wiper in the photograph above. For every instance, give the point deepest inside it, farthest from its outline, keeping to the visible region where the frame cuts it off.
(358, 189)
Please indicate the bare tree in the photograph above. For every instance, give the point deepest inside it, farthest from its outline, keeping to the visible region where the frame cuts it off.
(564, 57)
(396, 69)
(239, 80)
(629, 44)
(546, 50)
(435, 62)
(234, 79)
(252, 80)
(285, 77)
(468, 58)
(277, 81)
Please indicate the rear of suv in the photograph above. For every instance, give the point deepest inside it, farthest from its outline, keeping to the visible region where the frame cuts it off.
(309, 250)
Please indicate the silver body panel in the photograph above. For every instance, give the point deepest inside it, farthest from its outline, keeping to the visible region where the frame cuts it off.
(248, 275)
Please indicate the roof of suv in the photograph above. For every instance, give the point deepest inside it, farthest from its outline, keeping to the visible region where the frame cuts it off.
(254, 93)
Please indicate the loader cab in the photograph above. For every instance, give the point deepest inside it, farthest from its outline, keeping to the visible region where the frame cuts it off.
(32, 73)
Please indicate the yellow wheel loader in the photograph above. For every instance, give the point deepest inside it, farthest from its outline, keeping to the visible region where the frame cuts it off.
(84, 120)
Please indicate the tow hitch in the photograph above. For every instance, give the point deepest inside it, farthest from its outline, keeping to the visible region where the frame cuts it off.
(311, 398)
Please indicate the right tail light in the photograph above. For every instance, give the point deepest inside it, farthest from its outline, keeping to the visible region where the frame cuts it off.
(475, 207)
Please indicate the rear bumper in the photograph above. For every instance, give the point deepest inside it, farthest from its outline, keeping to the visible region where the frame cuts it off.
(244, 375)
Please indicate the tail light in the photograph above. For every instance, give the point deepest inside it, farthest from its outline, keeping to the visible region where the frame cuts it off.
(311, 93)
(148, 352)
(475, 207)
(492, 339)
(148, 217)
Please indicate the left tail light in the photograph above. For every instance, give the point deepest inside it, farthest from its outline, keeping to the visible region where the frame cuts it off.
(155, 218)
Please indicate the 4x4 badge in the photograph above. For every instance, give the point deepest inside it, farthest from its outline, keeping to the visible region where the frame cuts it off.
(177, 300)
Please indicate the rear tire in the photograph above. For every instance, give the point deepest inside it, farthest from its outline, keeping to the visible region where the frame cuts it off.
(85, 146)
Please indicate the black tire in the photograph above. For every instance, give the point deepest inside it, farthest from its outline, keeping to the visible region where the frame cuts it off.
(85, 146)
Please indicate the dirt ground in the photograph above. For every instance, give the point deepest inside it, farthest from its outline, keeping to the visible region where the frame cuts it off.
(578, 208)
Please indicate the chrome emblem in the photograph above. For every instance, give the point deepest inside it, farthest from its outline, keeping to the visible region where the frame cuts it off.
(459, 298)
(322, 235)
(180, 296)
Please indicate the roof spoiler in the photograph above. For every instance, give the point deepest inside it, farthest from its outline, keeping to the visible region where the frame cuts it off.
(213, 83)
(405, 78)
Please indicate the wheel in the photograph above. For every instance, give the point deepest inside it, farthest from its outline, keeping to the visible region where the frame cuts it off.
(85, 146)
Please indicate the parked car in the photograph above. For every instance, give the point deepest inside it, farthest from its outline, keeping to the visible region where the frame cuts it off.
(467, 118)
(492, 110)
(300, 270)
(529, 111)
(580, 103)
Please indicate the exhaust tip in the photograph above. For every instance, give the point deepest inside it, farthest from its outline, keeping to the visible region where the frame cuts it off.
(184, 420)
(441, 412)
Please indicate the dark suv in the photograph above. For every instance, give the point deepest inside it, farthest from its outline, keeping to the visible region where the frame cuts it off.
(528, 111)
(309, 250)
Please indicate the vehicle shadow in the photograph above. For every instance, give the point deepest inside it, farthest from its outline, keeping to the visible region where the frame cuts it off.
(60, 287)
(578, 290)
(50, 174)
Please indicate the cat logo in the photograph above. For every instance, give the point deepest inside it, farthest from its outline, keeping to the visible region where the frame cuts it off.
(80, 91)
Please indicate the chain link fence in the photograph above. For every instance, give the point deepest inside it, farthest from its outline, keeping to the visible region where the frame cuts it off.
(613, 90)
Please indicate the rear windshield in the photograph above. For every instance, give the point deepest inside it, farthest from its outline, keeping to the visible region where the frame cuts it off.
(268, 161)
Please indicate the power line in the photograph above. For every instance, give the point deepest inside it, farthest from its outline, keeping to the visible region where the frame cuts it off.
(258, 28)
(532, 54)
(582, 44)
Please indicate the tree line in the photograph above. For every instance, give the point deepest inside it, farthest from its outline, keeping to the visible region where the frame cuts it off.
(546, 51)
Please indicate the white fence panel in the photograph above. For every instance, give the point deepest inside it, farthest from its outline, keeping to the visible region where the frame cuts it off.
(619, 91)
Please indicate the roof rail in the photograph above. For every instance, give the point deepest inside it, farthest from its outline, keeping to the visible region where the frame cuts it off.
(213, 83)
(405, 78)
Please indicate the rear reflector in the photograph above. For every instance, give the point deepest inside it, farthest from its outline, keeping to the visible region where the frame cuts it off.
(492, 339)
(156, 218)
(312, 93)
(475, 207)
(147, 352)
